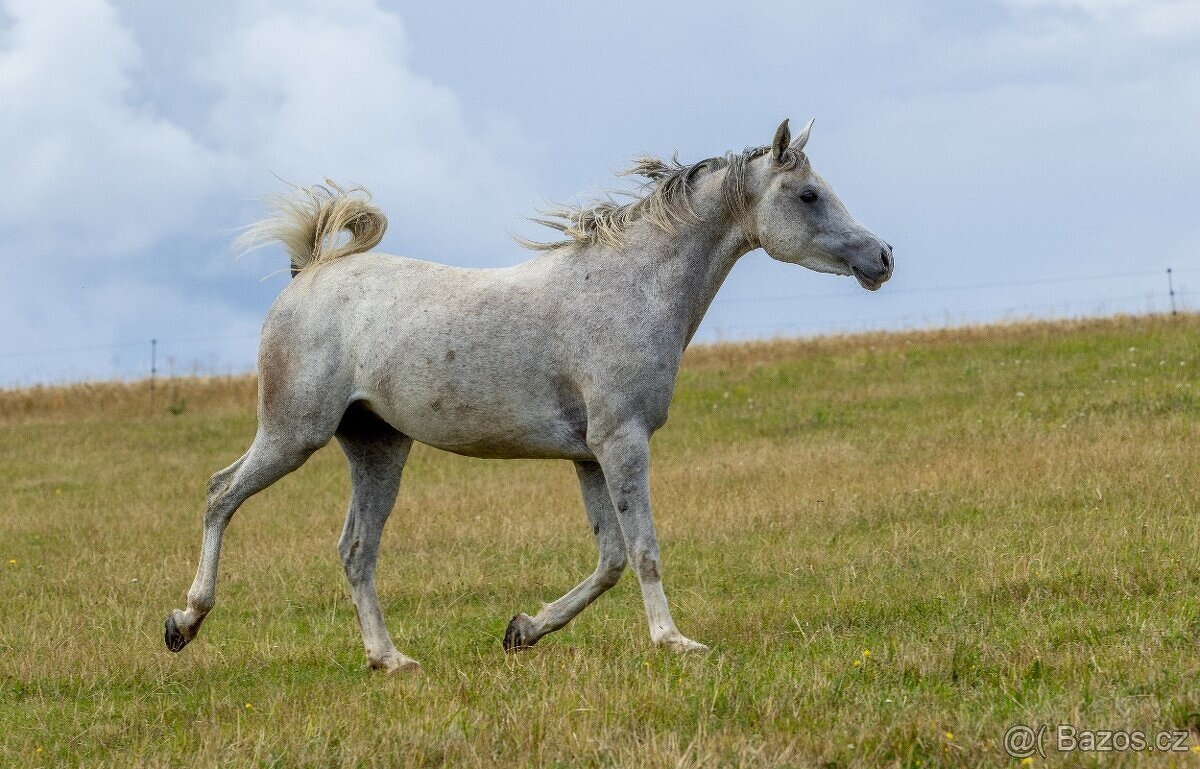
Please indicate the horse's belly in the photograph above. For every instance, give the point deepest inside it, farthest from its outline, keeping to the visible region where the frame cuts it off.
(514, 447)
(491, 422)
(483, 379)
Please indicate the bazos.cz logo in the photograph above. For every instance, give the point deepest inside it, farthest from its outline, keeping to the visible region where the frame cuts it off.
(1022, 741)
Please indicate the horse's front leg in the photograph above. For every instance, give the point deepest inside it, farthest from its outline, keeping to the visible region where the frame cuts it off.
(524, 631)
(625, 459)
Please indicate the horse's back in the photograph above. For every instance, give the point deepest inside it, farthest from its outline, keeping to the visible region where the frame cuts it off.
(462, 359)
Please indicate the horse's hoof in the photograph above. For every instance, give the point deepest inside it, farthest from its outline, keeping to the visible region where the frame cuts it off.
(174, 639)
(395, 663)
(682, 645)
(519, 633)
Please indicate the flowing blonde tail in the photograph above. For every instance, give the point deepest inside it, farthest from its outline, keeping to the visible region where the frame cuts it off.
(309, 220)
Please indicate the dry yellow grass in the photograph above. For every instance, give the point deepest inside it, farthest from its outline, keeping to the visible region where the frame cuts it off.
(1004, 517)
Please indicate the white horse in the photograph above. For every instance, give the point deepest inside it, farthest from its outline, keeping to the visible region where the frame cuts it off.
(570, 355)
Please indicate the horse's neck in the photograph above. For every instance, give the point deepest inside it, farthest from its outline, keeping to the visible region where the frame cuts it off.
(711, 260)
(690, 265)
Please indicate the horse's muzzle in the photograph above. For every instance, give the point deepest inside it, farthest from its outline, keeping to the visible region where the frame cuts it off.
(879, 272)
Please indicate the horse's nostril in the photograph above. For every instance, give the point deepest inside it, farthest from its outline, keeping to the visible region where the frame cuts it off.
(885, 256)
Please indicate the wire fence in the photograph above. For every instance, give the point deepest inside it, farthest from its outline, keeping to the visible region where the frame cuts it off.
(1170, 298)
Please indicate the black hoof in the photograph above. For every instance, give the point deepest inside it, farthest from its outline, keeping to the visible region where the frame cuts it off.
(171, 635)
(518, 635)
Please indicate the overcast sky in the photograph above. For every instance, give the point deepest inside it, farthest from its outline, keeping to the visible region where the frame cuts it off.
(1024, 157)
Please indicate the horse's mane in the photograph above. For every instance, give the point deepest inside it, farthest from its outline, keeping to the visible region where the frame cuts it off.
(664, 199)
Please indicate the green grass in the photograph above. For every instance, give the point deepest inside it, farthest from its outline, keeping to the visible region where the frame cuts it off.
(1006, 518)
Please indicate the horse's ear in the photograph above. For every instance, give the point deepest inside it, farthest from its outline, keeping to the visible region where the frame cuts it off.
(802, 139)
(783, 137)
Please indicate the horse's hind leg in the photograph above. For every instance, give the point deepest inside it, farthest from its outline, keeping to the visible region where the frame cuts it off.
(524, 631)
(270, 458)
(376, 453)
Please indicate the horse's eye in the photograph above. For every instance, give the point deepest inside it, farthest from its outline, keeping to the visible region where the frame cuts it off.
(808, 196)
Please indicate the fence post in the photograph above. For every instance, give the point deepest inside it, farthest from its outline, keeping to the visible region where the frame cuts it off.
(153, 368)
(1171, 291)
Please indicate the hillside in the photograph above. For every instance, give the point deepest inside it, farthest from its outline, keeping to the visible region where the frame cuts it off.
(897, 545)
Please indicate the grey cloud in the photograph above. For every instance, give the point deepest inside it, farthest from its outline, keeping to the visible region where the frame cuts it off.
(994, 144)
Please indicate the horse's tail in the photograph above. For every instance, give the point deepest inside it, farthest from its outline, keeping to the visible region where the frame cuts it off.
(309, 220)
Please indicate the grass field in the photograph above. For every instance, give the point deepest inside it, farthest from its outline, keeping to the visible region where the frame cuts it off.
(897, 546)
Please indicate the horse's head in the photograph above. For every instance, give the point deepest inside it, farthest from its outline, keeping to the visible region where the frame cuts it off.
(800, 220)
